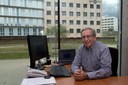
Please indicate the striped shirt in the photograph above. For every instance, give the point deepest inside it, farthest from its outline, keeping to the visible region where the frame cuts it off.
(96, 61)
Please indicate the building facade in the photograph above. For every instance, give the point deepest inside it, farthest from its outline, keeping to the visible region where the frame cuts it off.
(109, 23)
(74, 15)
(21, 17)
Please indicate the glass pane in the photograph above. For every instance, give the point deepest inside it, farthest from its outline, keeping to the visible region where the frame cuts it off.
(19, 18)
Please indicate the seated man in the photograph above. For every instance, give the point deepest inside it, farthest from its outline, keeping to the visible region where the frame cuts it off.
(93, 59)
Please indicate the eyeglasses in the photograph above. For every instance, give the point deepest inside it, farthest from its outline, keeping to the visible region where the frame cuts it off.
(87, 36)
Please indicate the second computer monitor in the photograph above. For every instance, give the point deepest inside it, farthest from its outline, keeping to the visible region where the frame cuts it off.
(66, 56)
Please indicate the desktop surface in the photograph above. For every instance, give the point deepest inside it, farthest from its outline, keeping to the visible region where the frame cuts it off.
(122, 80)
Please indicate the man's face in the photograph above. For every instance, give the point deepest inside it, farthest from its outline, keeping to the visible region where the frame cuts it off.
(87, 38)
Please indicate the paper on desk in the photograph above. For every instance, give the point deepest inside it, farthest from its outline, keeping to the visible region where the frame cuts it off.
(38, 81)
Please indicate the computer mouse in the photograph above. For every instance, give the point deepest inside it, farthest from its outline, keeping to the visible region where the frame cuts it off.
(47, 77)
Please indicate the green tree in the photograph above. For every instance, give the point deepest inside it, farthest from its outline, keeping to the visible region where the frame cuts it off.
(53, 30)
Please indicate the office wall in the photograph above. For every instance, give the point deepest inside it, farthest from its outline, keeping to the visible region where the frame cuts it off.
(124, 40)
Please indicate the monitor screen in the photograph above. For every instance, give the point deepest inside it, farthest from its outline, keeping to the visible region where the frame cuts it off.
(38, 48)
(66, 56)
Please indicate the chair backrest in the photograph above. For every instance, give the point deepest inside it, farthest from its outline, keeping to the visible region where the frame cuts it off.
(114, 65)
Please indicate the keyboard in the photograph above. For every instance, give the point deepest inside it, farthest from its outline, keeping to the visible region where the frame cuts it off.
(59, 71)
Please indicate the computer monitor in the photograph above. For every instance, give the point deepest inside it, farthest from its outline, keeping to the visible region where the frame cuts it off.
(38, 49)
(66, 56)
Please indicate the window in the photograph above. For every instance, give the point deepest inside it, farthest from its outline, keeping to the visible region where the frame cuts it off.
(1, 31)
(26, 31)
(71, 14)
(19, 31)
(91, 14)
(85, 14)
(98, 30)
(71, 22)
(71, 31)
(84, 5)
(56, 4)
(56, 13)
(78, 31)
(78, 22)
(98, 6)
(48, 12)
(48, 21)
(98, 22)
(34, 31)
(63, 13)
(77, 13)
(70, 4)
(91, 6)
(91, 22)
(98, 14)
(48, 3)
(78, 5)
(56, 21)
(64, 22)
(10, 31)
(63, 4)
(85, 22)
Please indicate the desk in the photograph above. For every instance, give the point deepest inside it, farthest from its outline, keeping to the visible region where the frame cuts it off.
(123, 80)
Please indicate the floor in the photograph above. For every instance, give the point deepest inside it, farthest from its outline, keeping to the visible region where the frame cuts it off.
(13, 71)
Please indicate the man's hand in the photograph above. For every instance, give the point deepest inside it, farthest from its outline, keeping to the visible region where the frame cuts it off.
(80, 75)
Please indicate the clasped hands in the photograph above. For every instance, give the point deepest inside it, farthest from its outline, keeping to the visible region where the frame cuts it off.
(80, 75)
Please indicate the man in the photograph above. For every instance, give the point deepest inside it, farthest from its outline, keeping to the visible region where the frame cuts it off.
(93, 59)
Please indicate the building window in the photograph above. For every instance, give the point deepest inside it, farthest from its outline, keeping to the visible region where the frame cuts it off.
(91, 14)
(19, 31)
(91, 6)
(78, 5)
(10, 31)
(71, 14)
(56, 13)
(98, 30)
(48, 12)
(78, 30)
(34, 31)
(77, 13)
(63, 13)
(48, 3)
(71, 22)
(91, 22)
(84, 5)
(26, 31)
(85, 22)
(56, 4)
(56, 21)
(78, 22)
(48, 21)
(64, 22)
(98, 6)
(63, 4)
(85, 14)
(70, 4)
(40, 31)
(98, 14)
(1, 31)
(71, 30)
(98, 22)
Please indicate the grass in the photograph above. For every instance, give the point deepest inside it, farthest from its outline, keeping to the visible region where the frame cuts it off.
(17, 49)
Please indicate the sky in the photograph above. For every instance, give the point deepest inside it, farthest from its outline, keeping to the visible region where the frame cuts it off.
(110, 7)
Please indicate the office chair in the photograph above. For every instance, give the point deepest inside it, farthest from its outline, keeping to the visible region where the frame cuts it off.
(114, 65)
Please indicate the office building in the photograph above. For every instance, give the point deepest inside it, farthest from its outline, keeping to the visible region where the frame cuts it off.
(109, 23)
(21, 17)
(74, 15)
